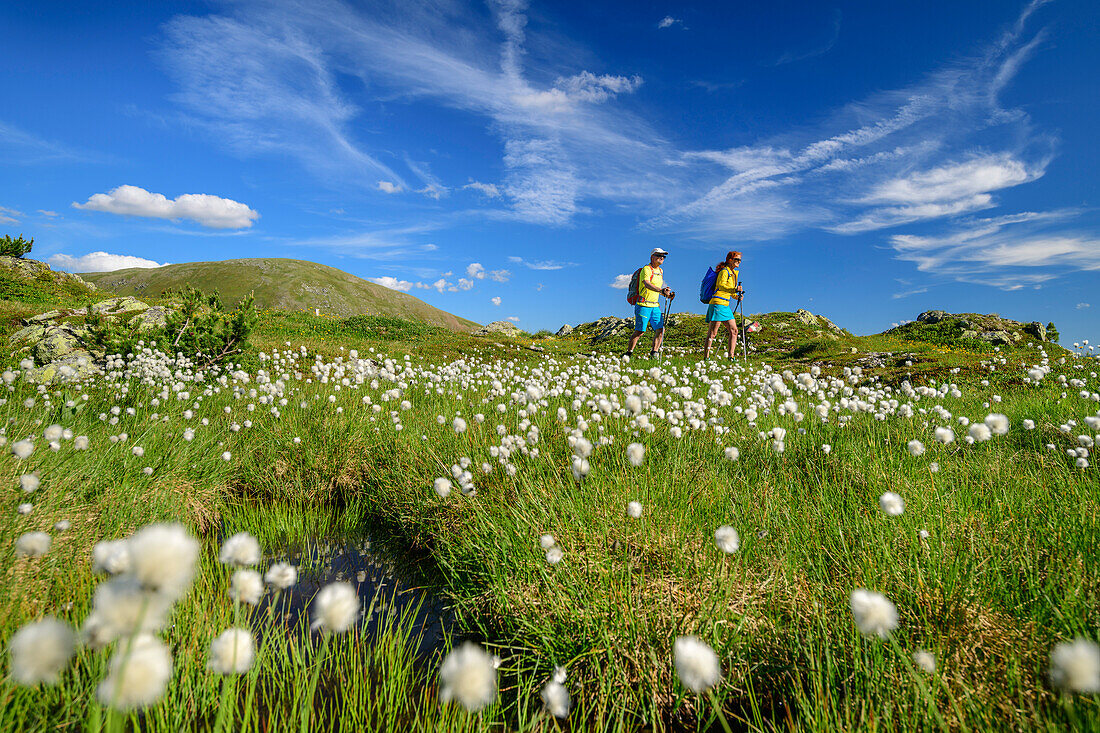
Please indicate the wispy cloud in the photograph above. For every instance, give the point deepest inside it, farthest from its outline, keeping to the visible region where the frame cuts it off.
(384, 244)
(486, 189)
(19, 147)
(8, 216)
(495, 300)
(541, 264)
(1082, 306)
(668, 21)
(818, 49)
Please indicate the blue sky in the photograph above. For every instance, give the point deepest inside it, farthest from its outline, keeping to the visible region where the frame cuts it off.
(518, 159)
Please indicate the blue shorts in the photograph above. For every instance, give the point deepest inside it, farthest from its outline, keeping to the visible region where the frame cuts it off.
(720, 313)
(648, 316)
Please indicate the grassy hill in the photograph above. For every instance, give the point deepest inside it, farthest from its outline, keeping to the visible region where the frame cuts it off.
(280, 284)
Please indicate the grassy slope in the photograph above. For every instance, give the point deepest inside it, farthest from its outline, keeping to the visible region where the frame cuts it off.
(1010, 568)
(281, 284)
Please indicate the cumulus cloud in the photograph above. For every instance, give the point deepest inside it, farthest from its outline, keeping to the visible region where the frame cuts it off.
(388, 187)
(1083, 306)
(475, 270)
(394, 284)
(495, 300)
(668, 21)
(513, 319)
(209, 211)
(487, 189)
(465, 284)
(100, 262)
(588, 87)
(7, 216)
(444, 286)
(621, 282)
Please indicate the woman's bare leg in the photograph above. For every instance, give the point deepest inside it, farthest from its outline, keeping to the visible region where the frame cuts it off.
(712, 331)
(731, 327)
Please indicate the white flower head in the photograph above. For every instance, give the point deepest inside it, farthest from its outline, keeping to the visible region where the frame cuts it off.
(546, 541)
(459, 425)
(915, 447)
(892, 504)
(556, 699)
(138, 673)
(232, 652)
(164, 557)
(246, 586)
(979, 432)
(336, 608)
(634, 509)
(1075, 666)
(32, 544)
(111, 556)
(442, 487)
(727, 539)
(121, 607)
(635, 452)
(554, 555)
(945, 435)
(22, 449)
(997, 423)
(468, 676)
(924, 660)
(53, 432)
(281, 575)
(696, 663)
(29, 482)
(241, 550)
(40, 650)
(873, 612)
(732, 453)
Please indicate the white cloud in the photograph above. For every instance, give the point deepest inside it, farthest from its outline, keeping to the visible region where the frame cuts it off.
(495, 300)
(464, 284)
(7, 216)
(499, 276)
(209, 211)
(388, 187)
(433, 191)
(1082, 306)
(621, 282)
(668, 21)
(394, 284)
(47, 214)
(588, 87)
(100, 262)
(475, 270)
(442, 285)
(487, 189)
(513, 319)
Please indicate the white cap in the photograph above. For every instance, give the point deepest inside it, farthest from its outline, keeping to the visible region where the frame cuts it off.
(657, 251)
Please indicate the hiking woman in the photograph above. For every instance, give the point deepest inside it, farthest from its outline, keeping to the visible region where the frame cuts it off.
(719, 311)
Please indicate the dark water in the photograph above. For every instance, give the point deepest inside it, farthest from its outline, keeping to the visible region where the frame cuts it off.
(387, 586)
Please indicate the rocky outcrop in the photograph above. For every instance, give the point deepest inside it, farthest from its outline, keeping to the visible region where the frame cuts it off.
(29, 269)
(565, 330)
(989, 327)
(498, 328)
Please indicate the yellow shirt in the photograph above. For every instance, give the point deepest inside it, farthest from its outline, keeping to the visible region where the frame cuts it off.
(725, 287)
(656, 276)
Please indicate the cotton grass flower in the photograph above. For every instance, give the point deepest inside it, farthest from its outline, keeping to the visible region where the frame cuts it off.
(111, 556)
(22, 449)
(555, 698)
(138, 674)
(336, 608)
(468, 677)
(726, 539)
(40, 650)
(915, 448)
(634, 509)
(873, 612)
(442, 487)
(164, 557)
(696, 663)
(281, 575)
(459, 425)
(554, 555)
(1075, 666)
(945, 435)
(246, 586)
(635, 452)
(29, 482)
(241, 550)
(547, 541)
(924, 660)
(24, 508)
(122, 607)
(232, 652)
(979, 432)
(892, 504)
(731, 453)
(32, 544)
(997, 423)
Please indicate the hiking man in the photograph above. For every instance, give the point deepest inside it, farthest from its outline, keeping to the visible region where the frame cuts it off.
(647, 311)
(718, 310)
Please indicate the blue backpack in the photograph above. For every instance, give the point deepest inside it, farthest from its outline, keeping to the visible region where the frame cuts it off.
(706, 287)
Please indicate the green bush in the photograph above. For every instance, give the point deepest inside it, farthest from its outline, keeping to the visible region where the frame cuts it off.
(15, 247)
(197, 326)
(1052, 332)
(948, 332)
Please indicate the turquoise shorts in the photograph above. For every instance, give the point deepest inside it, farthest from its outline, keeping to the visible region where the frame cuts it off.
(648, 316)
(720, 313)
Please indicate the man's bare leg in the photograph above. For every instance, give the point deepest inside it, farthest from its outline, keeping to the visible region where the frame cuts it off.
(658, 338)
(634, 340)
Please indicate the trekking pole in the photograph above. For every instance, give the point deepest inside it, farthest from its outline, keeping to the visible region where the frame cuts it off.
(664, 324)
(744, 328)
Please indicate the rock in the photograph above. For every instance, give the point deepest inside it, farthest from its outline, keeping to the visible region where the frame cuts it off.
(539, 349)
(610, 325)
(76, 365)
(56, 342)
(28, 336)
(501, 328)
(804, 316)
(996, 338)
(118, 306)
(970, 334)
(47, 316)
(1036, 329)
(155, 317)
(932, 316)
(24, 268)
(565, 330)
